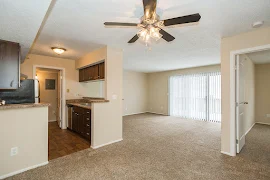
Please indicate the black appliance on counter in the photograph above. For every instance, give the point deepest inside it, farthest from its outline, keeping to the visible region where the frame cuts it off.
(26, 93)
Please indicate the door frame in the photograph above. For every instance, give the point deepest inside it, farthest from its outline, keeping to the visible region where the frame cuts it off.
(233, 55)
(63, 92)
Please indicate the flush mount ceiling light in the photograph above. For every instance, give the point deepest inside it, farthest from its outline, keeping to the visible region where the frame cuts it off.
(151, 27)
(257, 24)
(58, 50)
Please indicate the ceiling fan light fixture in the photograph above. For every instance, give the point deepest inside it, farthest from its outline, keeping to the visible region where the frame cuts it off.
(58, 50)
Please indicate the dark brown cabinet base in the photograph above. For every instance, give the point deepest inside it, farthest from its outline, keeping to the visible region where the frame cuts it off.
(81, 122)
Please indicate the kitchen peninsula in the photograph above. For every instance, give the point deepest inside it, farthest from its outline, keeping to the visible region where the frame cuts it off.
(26, 127)
(81, 118)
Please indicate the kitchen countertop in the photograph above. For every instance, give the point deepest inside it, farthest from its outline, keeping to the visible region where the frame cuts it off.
(87, 100)
(76, 102)
(20, 106)
(79, 105)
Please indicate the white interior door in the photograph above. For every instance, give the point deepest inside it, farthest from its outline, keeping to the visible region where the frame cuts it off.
(240, 103)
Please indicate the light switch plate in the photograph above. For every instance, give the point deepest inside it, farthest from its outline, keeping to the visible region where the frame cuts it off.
(268, 115)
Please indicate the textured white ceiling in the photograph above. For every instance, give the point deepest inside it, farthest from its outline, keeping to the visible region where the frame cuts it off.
(261, 57)
(20, 21)
(78, 27)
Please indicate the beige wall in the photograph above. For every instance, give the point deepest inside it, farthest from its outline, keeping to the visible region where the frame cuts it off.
(242, 41)
(92, 58)
(106, 121)
(49, 96)
(249, 110)
(158, 84)
(29, 134)
(262, 75)
(135, 89)
(76, 89)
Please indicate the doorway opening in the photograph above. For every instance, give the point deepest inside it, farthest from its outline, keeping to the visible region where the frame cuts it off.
(251, 103)
(196, 96)
(51, 83)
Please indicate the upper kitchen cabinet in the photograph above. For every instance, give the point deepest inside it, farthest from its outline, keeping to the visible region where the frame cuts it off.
(9, 65)
(102, 70)
(94, 72)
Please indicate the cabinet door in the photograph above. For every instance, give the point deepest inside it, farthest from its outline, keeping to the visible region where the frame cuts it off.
(10, 64)
(96, 71)
(80, 124)
(102, 70)
(89, 72)
(75, 121)
(81, 75)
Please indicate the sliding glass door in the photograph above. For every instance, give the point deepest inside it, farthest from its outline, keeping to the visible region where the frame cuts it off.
(196, 96)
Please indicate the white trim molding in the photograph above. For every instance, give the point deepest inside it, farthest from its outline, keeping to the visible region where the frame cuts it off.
(135, 113)
(263, 123)
(226, 153)
(23, 170)
(233, 54)
(111, 142)
(249, 129)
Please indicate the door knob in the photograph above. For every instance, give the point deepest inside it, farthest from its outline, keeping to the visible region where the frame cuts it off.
(245, 102)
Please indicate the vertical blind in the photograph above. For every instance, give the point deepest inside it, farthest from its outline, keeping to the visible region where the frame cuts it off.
(196, 96)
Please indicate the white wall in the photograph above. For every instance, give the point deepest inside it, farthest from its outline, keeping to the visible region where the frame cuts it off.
(27, 129)
(135, 88)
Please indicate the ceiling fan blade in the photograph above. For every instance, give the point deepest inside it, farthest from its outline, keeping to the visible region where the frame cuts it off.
(166, 36)
(149, 8)
(120, 24)
(134, 39)
(183, 20)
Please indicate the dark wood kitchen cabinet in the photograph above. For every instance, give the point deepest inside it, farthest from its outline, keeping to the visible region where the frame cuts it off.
(9, 65)
(102, 70)
(81, 122)
(82, 75)
(94, 72)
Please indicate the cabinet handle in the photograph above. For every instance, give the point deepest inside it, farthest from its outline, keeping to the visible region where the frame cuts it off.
(87, 112)
(87, 125)
(87, 134)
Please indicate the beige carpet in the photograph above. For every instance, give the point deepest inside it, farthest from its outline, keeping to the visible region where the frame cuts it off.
(161, 147)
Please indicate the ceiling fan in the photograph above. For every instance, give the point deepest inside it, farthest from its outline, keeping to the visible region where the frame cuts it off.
(151, 26)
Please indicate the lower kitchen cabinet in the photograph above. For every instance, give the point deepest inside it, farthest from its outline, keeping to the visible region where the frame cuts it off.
(81, 122)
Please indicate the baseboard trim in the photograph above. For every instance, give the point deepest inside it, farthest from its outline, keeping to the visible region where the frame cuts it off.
(23, 170)
(249, 129)
(111, 142)
(134, 113)
(51, 120)
(156, 113)
(262, 123)
(226, 153)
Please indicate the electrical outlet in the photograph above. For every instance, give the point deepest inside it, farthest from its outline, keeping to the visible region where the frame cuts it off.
(13, 151)
(126, 108)
(268, 115)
